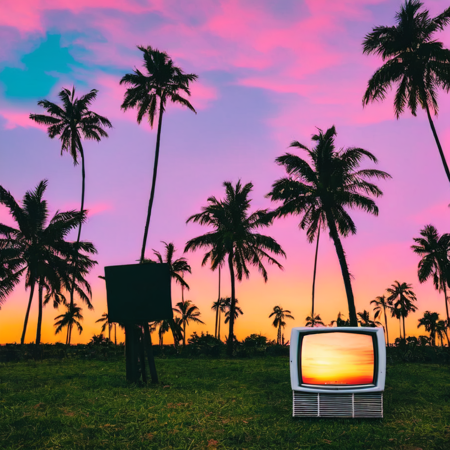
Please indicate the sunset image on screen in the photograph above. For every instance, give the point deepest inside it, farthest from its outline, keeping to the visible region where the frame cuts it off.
(337, 358)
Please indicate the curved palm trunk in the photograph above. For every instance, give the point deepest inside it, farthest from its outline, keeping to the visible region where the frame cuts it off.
(220, 320)
(279, 334)
(22, 339)
(315, 268)
(344, 269)
(385, 321)
(39, 324)
(232, 306)
(155, 170)
(67, 335)
(217, 311)
(441, 153)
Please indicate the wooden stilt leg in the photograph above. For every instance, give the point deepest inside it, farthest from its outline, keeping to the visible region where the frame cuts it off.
(151, 359)
(142, 354)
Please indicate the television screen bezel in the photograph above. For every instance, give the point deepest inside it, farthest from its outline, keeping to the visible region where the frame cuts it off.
(379, 344)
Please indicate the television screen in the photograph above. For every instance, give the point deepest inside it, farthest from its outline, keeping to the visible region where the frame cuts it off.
(337, 359)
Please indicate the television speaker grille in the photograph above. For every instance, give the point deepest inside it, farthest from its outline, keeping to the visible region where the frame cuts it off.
(368, 405)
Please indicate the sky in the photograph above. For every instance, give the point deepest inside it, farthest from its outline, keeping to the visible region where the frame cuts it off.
(269, 72)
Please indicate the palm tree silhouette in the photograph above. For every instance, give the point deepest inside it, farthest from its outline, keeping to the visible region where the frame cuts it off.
(413, 59)
(70, 318)
(321, 193)
(11, 264)
(313, 321)
(70, 123)
(381, 303)
(233, 237)
(163, 82)
(176, 326)
(366, 321)
(237, 311)
(340, 322)
(188, 312)
(434, 250)
(106, 323)
(430, 321)
(279, 319)
(177, 267)
(49, 258)
(401, 299)
(218, 307)
(441, 331)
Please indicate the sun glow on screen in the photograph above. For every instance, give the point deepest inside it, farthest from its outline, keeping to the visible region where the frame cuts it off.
(337, 359)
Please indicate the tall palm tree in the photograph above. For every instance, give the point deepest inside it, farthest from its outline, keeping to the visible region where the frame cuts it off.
(322, 192)
(49, 258)
(381, 303)
(402, 298)
(237, 310)
(280, 315)
(71, 122)
(234, 238)
(163, 81)
(106, 323)
(430, 321)
(70, 318)
(434, 250)
(366, 321)
(188, 312)
(414, 60)
(313, 321)
(177, 267)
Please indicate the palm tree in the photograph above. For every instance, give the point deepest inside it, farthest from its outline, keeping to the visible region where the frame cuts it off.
(381, 303)
(71, 122)
(49, 258)
(434, 250)
(163, 82)
(313, 321)
(322, 192)
(218, 307)
(176, 326)
(164, 327)
(340, 322)
(70, 318)
(401, 299)
(366, 321)
(233, 237)
(413, 59)
(177, 267)
(106, 323)
(278, 321)
(441, 331)
(237, 311)
(11, 265)
(188, 312)
(430, 321)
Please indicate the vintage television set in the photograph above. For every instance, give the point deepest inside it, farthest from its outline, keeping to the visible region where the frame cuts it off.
(338, 372)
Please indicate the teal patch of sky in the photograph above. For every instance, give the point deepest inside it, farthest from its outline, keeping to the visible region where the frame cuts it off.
(40, 72)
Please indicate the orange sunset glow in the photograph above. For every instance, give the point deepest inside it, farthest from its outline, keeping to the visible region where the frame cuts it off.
(338, 358)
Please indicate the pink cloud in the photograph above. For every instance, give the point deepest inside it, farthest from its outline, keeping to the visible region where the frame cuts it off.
(15, 118)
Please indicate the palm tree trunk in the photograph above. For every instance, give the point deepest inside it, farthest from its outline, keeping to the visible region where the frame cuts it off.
(39, 324)
(279, 334)
(184, 335)
(446, 302)
(404, 332)
(400, 326)
(217, 310)
(385, 321)
(441, 153)
(344, 269)
(315, 267)
(115, 334)
(22, 339)
(155, 170)
(232, 306)
(220, 319)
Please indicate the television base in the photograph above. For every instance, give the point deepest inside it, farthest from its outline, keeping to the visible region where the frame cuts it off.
(360, 405)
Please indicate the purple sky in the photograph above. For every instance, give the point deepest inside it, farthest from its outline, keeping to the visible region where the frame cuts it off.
(270, 72)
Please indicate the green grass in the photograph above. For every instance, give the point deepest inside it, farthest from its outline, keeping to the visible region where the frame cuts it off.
(207, 404)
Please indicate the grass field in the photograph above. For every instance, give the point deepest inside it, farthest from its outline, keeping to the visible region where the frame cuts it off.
(207, 404)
